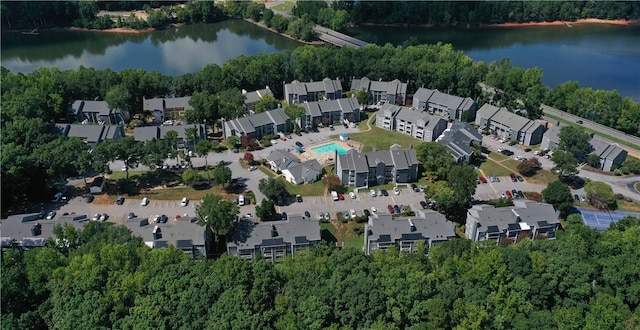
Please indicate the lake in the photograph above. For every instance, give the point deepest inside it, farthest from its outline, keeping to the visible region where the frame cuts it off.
(598, 56)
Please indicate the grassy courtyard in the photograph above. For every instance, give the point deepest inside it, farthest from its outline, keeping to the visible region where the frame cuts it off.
(501, 165)
(381, 139)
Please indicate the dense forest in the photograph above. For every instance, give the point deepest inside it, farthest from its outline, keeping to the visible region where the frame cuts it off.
(107, 279)
(30, 102)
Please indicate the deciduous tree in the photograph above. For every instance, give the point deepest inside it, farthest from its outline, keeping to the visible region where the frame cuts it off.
(217, 214)
(273, 188)
(435, 159)
(221, 174)
(565, 163)
(331, 181)
(266, 210)
(529, 166)
(558, 194)
(600, 195)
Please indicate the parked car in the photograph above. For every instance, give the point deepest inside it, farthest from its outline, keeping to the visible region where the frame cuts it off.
(497, 179)
(163, 219)
(492, 178)
(520, 194)
(96, 217)
(502, 195)
(420, 188)
(352, 195)
(583, 198)
(576, 198)
(423, 204)
(390, 208)
(373, 193)
(252, 168)
(327, 216)
(397, 208)
(51, 215)
(307, 214)
(345, 214)
(320, 216)
(373, 209)
(508, 194)
(298, 198)
(483, 179)
(104, 217)
(513, 177)
(414, 187)
(88, 198)
(520, 178)
(341, 197)
(353, 213)
(120, 200)
(145, 202)
(284, 216)
(184, 202)
(299, 144)
(396, 190)
(241, 200)
(131, 215)
(379, 192)
(366, 212)
(384, 193)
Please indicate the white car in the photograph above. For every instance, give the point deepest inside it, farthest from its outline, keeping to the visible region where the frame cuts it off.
(320, 216)
(352, 195)
(396, 191)
(145, 202)
(103, 217)
(373, 193)
(96, 217)
(252, 168)
(184, 202)
(124, 168)
(353, 214)
(241, 200)
(51, 215)
(373, 209)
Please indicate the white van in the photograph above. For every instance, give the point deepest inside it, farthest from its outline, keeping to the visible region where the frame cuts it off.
(241, 200)
(334, 195)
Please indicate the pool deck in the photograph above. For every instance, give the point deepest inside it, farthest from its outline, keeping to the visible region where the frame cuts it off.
(327, 158)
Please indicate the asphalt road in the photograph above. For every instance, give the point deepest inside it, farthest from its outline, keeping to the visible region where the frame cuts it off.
(598, 128)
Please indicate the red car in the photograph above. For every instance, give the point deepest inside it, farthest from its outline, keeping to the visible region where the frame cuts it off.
(390, 208)
(483, 179)
(508, 193)
(341, 197)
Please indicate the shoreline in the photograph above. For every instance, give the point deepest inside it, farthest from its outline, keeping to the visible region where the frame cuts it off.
(261, 25)
(523, 24)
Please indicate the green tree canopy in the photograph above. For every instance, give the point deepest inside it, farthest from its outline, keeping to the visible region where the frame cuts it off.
(221, 174)
(574, 140)
(565, 163)
(600, 195)
(435, 159)
(273, 188)
(266, 210)
(558, 194)
(217, 214)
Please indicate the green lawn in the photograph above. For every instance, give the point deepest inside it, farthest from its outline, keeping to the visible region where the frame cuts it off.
(500, 165)
(284, 7)
(570, 123)
(383, 139)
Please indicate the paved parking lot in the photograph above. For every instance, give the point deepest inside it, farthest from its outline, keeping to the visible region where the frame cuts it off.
(492, 190)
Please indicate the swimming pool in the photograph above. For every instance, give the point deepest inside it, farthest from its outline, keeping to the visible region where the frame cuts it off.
(331, 147)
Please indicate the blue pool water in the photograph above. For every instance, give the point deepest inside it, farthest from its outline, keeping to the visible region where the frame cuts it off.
(331, 147)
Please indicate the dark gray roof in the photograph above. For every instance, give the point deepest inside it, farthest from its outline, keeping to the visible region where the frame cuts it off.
(248, 235)
(443, 99)
(604, 149)
(388, 87)
(183, 234)
(306, 171)
(280, 154)
(99, 107)
(318, 108)
(167, 103)
(509, 119)
(383, 227)
(526, 212)
(255, 96)
(15, 229)
(354, 160)
(326, 85)
(146, 133)
(389, 110)
(458, 139)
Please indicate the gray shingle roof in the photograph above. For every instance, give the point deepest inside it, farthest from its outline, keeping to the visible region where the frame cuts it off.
(354, 160)
(249, 235)
(529, 212)
(604, 149)
(459, 138)
(15, 228)
(182, 233)
(428, 224)
(280, 156)
(307, 171)
(255, 96)
(146, 133)
(160, 103)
